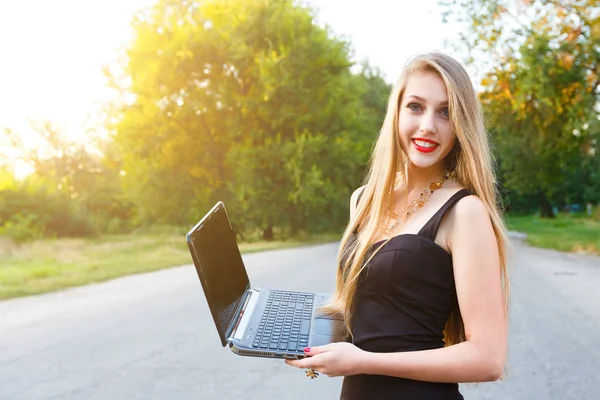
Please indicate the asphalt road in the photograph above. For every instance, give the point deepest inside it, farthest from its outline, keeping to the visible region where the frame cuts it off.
(151, 336)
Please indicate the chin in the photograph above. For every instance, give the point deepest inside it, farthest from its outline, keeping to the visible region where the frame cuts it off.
(428, 161)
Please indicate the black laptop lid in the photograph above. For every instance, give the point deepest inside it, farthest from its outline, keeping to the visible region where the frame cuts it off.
(219, 265)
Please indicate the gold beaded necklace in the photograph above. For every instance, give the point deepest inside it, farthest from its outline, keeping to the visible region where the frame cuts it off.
(415, 205)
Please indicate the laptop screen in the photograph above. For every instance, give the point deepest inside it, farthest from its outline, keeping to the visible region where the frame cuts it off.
(219, 265)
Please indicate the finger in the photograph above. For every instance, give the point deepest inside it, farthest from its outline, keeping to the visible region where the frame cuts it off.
(313, 351)
(303, 363)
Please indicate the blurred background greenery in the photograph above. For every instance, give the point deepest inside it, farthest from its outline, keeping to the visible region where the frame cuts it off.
(254, 103)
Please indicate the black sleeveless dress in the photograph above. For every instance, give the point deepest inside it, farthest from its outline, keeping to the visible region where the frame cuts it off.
(402, 303)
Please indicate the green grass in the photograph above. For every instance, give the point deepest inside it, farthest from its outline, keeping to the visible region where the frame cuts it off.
(571, 233)
(48, 265)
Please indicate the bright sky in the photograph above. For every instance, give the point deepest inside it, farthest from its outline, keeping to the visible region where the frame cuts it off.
(387, 32)
(53, 52)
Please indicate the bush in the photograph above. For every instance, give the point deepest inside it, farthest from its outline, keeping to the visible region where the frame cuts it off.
(116, 226)
(69, 222)
(38, 210)
(22, 227)
(596, 213)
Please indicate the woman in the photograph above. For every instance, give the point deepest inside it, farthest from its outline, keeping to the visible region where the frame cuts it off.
(421, 282)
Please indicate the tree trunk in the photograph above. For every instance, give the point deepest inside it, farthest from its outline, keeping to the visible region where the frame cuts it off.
(268, 233)
(294, 227)
(294, 220)
(546, 210)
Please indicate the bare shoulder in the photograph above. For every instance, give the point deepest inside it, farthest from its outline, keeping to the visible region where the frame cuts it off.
(353, 201)
(467, 220)
(470, 209)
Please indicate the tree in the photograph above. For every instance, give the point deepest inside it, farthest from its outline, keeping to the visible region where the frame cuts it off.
(540, 90)
(64, 163)
(249, 102)
(74, 191)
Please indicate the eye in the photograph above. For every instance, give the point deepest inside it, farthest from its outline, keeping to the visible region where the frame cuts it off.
(445, 112)
(414, 106)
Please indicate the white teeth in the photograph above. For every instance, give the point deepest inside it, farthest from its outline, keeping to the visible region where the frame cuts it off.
(425, 144)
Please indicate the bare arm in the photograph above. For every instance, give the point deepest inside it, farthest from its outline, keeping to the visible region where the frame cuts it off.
(478, 284)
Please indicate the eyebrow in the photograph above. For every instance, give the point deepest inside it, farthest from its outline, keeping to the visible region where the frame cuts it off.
(443, 103)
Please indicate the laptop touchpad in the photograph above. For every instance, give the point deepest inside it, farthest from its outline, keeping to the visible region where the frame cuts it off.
(323, 326)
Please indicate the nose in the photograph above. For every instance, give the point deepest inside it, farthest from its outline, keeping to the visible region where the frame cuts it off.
(427, 124)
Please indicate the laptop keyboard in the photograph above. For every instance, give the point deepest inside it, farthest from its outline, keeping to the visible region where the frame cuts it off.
(285, 324)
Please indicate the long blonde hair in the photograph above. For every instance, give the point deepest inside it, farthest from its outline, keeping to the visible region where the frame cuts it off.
(470, 159)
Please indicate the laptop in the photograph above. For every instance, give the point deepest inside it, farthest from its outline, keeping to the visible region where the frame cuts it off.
(254, 321)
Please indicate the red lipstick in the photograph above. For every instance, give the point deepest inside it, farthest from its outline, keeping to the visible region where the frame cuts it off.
(424, 149)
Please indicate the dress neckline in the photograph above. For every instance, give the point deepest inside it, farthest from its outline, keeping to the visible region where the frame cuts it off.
(408, 235)
(425, 226)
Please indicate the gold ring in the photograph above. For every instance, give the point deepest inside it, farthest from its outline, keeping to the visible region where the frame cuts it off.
(311, 373)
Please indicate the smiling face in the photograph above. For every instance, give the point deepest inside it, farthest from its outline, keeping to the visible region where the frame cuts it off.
(424, 124)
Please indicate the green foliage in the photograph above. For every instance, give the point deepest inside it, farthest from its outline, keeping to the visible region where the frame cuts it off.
(22, 227)
(73, 192)
(33, 207)
(248, 102)
(540, 90)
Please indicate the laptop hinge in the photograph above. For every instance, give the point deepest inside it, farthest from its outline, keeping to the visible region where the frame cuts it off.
(239, 312)
(245, 315)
